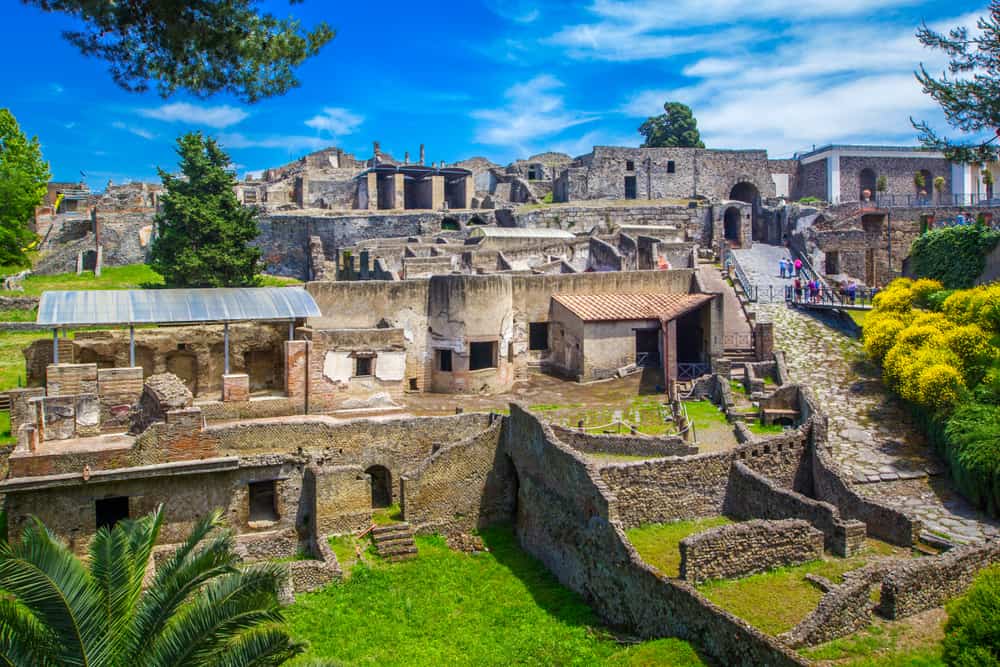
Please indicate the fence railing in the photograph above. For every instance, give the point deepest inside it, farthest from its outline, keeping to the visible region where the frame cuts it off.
(686, 371)
(827, 296)
(931, 200)
(738, 341)
(748, 287)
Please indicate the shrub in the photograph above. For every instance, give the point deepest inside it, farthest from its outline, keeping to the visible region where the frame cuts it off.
(972, 634)
(972, 446)
(880, 336)
(955, 256)
(939, 386)
(923, 288)
(895, 297)
(935, 299)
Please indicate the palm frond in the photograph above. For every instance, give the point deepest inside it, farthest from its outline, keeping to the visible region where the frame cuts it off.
(24, 641)
(225, 607)
(55, 587)
(113, 571)
(259, 647)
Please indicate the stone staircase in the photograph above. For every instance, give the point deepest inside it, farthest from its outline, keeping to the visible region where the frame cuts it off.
(394, 542)
(739, 357)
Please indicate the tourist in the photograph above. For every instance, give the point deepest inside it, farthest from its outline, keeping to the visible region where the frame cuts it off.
(781, 266)
(798, 267)
(852, 291)
(798, 289)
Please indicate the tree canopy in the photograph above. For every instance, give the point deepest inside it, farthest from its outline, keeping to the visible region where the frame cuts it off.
(202, 46)
(203, 232)
(969, 92)
(677, 127)
(24, 176)
(201, 608)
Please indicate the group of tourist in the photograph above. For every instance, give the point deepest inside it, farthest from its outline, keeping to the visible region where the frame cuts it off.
(788, 268)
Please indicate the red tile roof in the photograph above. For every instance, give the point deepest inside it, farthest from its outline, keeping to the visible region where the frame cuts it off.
(612, 307)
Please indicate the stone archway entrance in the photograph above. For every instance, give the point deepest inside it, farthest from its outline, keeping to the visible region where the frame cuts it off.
(381, 486)
(747, 192)
(732, 222)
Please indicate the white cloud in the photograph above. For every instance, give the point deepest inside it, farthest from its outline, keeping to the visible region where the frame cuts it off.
(291, 143)
(336, 121)
(534, 110)
(182, 112)
(823, 83)
(56, 88)
(518, 11)
(137, 131)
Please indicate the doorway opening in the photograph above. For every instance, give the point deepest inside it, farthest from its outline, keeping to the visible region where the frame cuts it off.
(647, 348)
(381, 486)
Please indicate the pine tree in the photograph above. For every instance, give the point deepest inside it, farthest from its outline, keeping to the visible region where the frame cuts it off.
(969, 93)
(24, 176)
(203, 231)
(202, 46)
(675, 128)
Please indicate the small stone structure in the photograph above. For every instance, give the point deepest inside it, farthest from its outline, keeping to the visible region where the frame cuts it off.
(161, 394)
(742, 549)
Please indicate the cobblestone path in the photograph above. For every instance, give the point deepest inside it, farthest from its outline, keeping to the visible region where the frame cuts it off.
(760, 264)
(873, 438)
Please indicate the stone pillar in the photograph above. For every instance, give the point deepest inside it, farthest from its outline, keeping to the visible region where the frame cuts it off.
(469, 191)
(669, 352)
(763, 341)
(372, 179)
(406, 157)
(398, 191)
(421, 154)
(297, 367)
(363, 268)
(437, 192)
(235, 387)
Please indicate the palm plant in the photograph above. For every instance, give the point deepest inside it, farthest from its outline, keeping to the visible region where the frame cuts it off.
(199, 609)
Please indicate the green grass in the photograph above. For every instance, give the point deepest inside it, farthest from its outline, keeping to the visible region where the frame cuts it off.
(18, 315)
(383, 516)
(760, 429)
(737, 387)
(447, 608)
(6, 437)
(881, 645)
(132, 276)
(658, 544)
(705, 414)
(11, 359)
(858, 316)
(752, 598)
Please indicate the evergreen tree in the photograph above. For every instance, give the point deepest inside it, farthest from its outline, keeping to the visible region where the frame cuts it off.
(675, 128)
(969, 93)
(24, 176)
(203, 231)
(203, 46)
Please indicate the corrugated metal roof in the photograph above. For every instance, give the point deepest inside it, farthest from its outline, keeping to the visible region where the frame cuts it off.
(612, 307)
(175, 306)
(521, 233)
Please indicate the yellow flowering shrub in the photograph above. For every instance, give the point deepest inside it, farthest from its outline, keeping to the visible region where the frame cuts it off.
(925, 287)
(915, 336)
(932, 319)
(894, 297)
(939, 386)
(881, 335)
(969, 343)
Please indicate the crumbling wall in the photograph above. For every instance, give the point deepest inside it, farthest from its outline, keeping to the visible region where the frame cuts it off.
(742, 549)
(624, 444)
(160, 394)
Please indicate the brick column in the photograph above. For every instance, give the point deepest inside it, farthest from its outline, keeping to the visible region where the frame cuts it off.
(297, 368)
(437, 193)
(235, 387)
(763, 341)
(669, 352)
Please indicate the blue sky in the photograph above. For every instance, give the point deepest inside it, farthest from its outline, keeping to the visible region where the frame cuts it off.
(504, 79)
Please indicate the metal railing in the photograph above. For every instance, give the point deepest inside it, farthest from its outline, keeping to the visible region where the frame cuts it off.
(931, 200)
(859, 298)
(738, 341)
(748, 287)
(686, 371)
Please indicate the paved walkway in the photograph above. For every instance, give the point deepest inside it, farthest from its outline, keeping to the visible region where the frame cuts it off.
(872, 437)
(760, 264)
(737, 330)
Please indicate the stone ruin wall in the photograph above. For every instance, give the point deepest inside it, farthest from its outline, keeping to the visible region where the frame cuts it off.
(624, 444)
(751, 547)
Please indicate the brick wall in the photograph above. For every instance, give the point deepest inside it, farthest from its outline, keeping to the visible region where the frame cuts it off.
(742, 549)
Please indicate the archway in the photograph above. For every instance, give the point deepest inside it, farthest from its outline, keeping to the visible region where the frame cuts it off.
(745, 192)
(476, 220)
(923, 181)
(868, 181)
(450, 225)
(185, 366)
(732, 222)
(381, 486)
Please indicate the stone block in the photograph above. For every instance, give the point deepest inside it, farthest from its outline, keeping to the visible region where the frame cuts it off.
(70, 379)
(235, 387)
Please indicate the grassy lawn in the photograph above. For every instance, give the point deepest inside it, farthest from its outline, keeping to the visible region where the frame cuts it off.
(383, 516)
(753, 598)
(911, 642)
(760, 429)
(858, 316)
(658, 543)
(133, 276)
(11, 359)
(645, 411)
(448, 608)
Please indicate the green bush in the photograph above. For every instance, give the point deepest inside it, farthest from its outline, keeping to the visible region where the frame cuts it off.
(972, 634)
(972, 446)
(955, 255)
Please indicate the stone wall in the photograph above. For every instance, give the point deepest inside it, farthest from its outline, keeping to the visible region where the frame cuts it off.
(925, 583)
(742, 549)
(751, 495)
(341, 498)
(461, 487)
(604, 256)
(624, 444)
(566, 518)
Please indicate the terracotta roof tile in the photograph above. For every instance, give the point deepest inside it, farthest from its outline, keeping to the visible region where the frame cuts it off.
(649, 306)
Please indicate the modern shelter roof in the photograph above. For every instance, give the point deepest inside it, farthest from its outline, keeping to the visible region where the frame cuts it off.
(521, 233)
(623, 307)
(175, 306)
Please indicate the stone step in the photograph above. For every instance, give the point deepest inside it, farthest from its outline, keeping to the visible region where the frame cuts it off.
(391, 528)
(397, 549)
(401, 538)
(400, 557)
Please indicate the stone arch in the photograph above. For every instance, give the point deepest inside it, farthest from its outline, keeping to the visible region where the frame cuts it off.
(184, 364)
(476, 220)
(867, 180)
(381, 485)
(732, 225)
(450, 225)
(86, 355)
(745, 191)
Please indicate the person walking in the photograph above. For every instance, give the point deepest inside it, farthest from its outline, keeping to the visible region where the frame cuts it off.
(798, 267)
(798, 289)
(781, 266)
